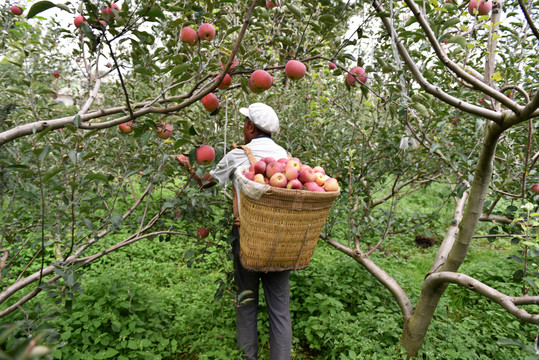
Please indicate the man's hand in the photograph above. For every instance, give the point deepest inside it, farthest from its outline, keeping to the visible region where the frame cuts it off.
(183, 161)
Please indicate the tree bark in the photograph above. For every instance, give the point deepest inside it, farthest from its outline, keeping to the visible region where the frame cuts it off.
(415, 329)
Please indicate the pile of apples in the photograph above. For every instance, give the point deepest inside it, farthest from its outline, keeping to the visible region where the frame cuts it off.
(291, 174)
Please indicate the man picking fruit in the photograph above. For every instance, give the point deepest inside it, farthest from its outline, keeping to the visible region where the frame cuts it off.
(259, 123)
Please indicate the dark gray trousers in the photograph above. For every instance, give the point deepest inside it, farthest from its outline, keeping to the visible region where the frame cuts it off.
(277, 292)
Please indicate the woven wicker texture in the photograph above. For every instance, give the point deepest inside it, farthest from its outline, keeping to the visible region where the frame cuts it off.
(280, 231)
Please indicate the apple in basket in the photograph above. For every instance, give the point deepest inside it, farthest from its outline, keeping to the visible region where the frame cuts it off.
(294, 162)
(259, 178)
(260, 167)
(319, 169)
(294, 184)
(319, 178)
(331, 184)
(268, 160)
(249, 175)
(312, 186)
(283, 160)
(306, 175)
(278, 180)
(274, 168)
(290, 172)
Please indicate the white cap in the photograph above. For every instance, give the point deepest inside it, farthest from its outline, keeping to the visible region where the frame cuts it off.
(263, 116)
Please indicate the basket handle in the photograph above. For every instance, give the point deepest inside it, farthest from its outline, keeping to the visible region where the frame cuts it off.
(302, 246)
(248, 152)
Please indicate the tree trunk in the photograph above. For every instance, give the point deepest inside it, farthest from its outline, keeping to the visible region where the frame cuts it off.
(415, 329)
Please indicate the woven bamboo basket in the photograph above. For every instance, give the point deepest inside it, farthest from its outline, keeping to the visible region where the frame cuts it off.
(280, 230)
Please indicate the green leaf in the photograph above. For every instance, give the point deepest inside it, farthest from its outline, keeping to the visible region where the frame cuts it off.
(180, 68)
(76, 120)
(155, 12)
(49, 174)
(294, 10)
(410, 21)
(327, 18)
(90, 225)
(451, 22)
(461, 40)
(421, 109)
(143, 71)
(38, 7)
(510, 342)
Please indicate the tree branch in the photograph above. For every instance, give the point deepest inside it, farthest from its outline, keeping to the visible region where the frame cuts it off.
(507, 302)
(386, 280)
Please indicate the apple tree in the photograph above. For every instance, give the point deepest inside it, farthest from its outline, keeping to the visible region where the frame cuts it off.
(450, 96)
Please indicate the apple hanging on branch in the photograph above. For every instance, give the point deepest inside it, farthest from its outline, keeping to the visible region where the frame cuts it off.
(16, 10)
(164, 130)
(535, 188)
(205, 155)
(260, 81)
(356, 73)
(210, 102)
(126, 127)
(295, 69)
(483, 7)
(189, 36)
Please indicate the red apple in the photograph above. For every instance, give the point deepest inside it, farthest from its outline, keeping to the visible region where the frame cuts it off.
(108, 11)
(295, 163)
(308, 97)
(189, 36)
(303, 167)
(319, 169)
(306, 175)
(210, 102)
(109, 64)
(205, 155)
(319, 178)
(290, 172)
(235, 63)
(483, 7)
(202, 233)
(268, 160)
(15, 10)
(183, 160)
(56, 74)
(278, 180)
(115, 7)
(535, 188)
(332, 65)
(272, 4)
(79, 20)
(261, 80)
(164, 131)
(126, 127)
(295, 70)
(331, 185)
(260, 167)
(294, 184)
(274, 168)
(283, 160)
(312, 186)
(356, 73)
(259, 178)
(206, 32)
(252, 168)
(225, 83)
(249, 175)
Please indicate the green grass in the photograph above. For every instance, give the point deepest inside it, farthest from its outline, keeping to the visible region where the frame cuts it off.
(155, 299)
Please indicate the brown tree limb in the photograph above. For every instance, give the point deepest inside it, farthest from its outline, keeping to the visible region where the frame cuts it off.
(507, 302)
(385, 279)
